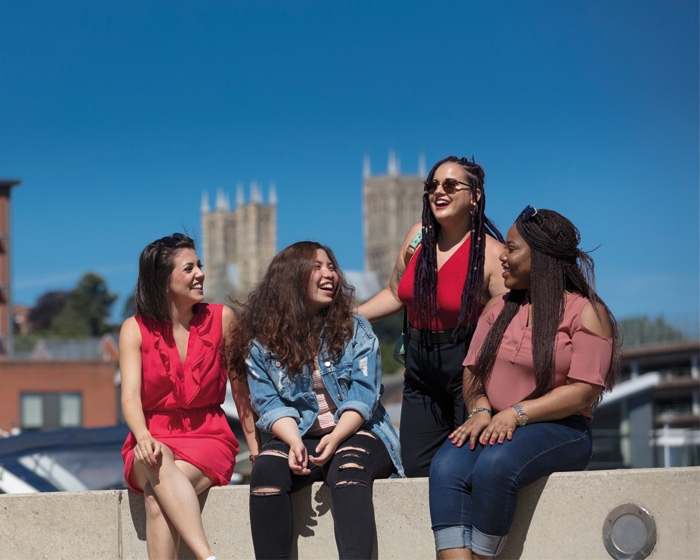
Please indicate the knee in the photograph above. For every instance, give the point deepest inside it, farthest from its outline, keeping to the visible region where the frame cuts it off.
(447, 461)
(493, 469)
(349, 468)
(153, 509)
(270, 476)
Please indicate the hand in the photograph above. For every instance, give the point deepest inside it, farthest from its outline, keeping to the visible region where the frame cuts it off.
(298, 458)
(470, 430)
(147, 450)
(500, 428)
(326, 447)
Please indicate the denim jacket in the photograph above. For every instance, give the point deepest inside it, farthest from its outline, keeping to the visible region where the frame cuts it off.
(353, 382)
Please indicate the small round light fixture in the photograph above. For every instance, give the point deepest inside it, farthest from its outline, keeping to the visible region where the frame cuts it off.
(629, 532)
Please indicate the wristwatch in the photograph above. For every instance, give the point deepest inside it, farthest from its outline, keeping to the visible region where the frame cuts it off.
(522, 417)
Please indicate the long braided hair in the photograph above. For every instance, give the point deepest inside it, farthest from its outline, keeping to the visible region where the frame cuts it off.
(425, 278)
(557, 266)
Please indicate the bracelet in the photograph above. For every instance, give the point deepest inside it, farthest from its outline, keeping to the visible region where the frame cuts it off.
(473, 412)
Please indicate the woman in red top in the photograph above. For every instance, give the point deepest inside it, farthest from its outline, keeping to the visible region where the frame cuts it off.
(173, 383)
(452, 274)
(540, 358)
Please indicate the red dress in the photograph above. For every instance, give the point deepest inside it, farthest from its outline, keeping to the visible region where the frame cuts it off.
(182, 403)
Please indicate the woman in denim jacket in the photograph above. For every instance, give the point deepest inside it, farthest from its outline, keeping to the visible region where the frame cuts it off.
(314, 372)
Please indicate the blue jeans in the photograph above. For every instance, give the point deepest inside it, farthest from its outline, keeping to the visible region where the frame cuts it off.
(473, 493)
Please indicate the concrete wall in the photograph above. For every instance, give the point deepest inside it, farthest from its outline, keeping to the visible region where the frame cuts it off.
(560, 517)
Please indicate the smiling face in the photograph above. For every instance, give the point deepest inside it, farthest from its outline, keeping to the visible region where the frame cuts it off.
(322, 282)
(458, 204)
(187, 279)
(516, 259)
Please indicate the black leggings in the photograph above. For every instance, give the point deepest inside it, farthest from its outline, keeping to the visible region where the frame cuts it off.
(433, 404)
(357, 462)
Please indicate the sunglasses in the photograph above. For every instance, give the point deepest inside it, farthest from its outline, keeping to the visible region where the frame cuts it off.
(448, 185)
(170, 240)
(530, 213)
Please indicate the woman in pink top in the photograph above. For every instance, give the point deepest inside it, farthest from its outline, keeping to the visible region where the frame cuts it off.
(173, 384)
(540, 358)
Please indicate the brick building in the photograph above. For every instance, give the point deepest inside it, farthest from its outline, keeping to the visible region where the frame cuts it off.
(41, 395)
(6, 320)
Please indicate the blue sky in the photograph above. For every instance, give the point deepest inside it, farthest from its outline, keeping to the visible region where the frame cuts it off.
(117, 116)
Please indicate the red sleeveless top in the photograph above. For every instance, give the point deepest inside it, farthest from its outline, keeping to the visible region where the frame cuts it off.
(451, 278)
(181, 402)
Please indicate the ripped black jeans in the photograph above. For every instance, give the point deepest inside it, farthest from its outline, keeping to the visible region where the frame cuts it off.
(357, 462)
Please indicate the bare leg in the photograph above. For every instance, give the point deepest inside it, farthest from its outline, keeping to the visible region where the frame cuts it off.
(480, 556)
(176, 485)
(162, 539)
(456, 554)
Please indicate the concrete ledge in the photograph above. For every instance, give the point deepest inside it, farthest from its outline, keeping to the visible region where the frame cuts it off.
(559, 517)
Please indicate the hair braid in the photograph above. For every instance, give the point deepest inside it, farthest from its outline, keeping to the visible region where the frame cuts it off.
(425, 278)
(557, 266)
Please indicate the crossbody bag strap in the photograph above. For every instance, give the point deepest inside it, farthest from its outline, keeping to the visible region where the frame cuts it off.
(410, 251)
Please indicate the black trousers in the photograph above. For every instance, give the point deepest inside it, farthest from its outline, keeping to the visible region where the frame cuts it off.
(357, 462)
(433, 404)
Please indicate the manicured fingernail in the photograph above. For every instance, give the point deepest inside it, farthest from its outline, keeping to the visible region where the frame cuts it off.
(471, 446)
(500, 440)
(454, 440)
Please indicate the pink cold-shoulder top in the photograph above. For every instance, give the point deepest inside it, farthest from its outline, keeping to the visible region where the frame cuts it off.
(579, 354)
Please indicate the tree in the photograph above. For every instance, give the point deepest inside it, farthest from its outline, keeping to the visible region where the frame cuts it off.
(47, 307)
(128, 309)
(387, 331)
(642, 329)
(87, 309)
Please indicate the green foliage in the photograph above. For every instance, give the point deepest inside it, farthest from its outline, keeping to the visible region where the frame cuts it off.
(387, 331)
(128, 309)
(645, 330)
(86, 310)
(47, 307)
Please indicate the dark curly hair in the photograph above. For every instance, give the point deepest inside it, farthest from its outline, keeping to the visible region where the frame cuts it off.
(425, 278)
(279, 315)
(155, 269)
(557, 266)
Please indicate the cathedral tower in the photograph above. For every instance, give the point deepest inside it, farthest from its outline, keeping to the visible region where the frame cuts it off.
(239, 243)
(392, 204)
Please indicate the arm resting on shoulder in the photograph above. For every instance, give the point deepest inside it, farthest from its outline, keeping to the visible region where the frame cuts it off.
(387, 302)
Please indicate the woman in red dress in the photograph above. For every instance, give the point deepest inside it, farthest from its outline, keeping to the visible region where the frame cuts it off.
(173, 383)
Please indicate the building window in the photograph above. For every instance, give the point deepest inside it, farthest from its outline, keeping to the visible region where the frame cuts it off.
(50, 411)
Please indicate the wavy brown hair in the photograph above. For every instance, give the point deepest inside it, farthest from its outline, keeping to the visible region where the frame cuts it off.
(557, 266)
(279, 315)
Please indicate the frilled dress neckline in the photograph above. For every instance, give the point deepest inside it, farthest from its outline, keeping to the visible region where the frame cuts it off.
(197, 347)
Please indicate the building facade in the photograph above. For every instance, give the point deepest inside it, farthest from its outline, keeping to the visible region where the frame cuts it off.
(238, 244)
(6, 320)
(392, 203)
